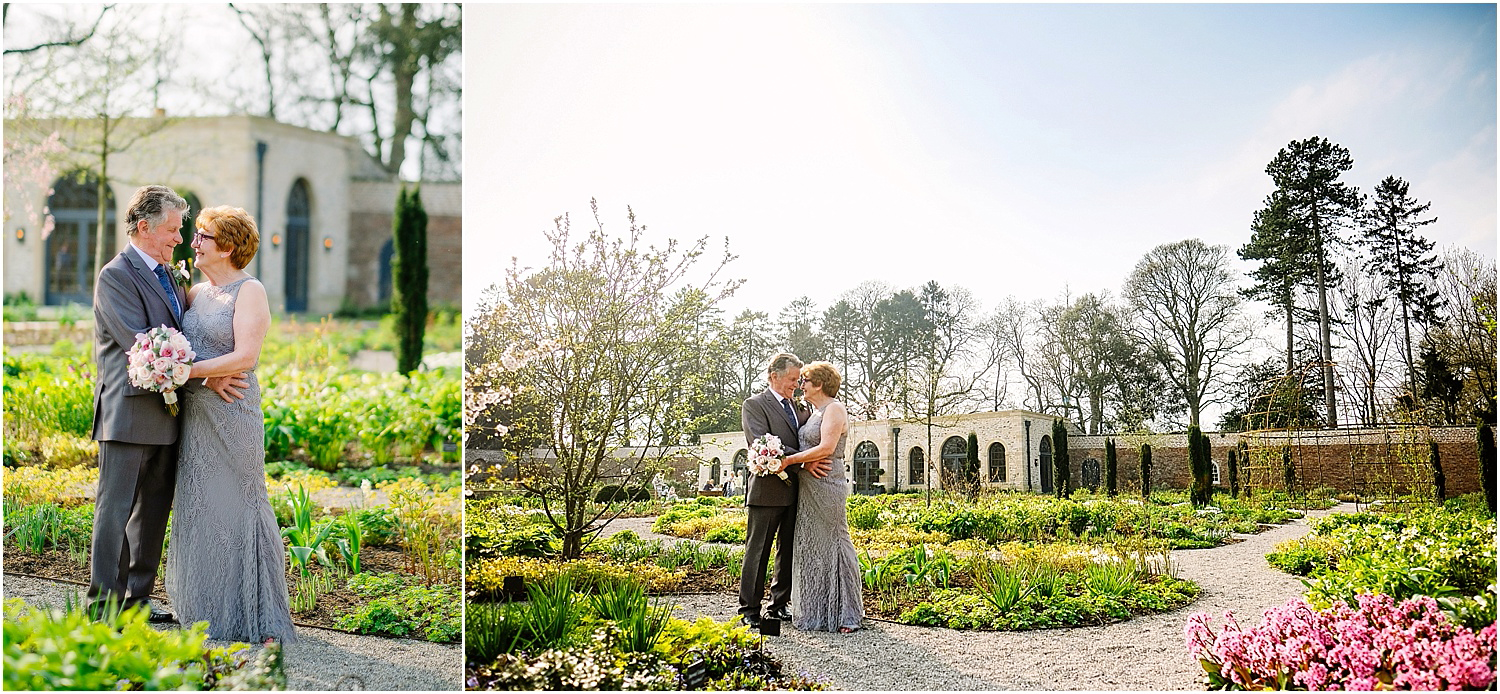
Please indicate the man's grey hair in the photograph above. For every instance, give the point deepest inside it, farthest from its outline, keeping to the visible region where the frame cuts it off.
(151, 203)
(781, 362)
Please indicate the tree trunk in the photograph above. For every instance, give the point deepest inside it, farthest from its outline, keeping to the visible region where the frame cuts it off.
(101, 254)
(1329, 397)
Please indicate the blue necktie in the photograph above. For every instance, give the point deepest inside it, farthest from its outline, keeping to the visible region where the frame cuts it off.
(786, 406)
(161, 276)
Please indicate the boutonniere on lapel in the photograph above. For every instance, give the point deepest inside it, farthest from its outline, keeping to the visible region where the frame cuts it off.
(182, 274)
(797, 400)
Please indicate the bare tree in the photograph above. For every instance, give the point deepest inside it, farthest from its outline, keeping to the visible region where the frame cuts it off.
(94, 97)
(1188, 313)
(1366, 321)
(1016, 325)
(626, 320)
(1466, 334)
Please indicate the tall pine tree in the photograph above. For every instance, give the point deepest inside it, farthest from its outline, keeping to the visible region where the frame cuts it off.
(1317, 206)
(1403, 258)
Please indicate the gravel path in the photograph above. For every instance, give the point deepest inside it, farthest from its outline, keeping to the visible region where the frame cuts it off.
(322, 659)
(1145, 653)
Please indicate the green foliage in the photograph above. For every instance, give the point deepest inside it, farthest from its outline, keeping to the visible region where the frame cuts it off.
(36, 528)
(863, 516)
(639, 622)
(1070, 602)
(734, 534)
(1447, 551)
(47, 649)
(409, 278)
(397, 608)
(1232, 463)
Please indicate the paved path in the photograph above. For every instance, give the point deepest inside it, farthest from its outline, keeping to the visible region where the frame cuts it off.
(321, 659)
(1145, 653)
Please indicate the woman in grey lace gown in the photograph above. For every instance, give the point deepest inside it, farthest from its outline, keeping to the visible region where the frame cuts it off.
(826, 583)
(226, 564)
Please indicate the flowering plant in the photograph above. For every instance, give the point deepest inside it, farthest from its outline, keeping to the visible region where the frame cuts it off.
(1381, 644)
(182, 273)
(160, 361)
(766, 456)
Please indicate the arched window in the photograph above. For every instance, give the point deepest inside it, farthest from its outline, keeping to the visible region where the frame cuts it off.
(955, 459)
(742, 470)
(298, 245)
(916, 473)
(866, 467)
(713, 471)
(1045, 454)
(997, 462)
(68, 275)
(184, 250)
(1216, 472)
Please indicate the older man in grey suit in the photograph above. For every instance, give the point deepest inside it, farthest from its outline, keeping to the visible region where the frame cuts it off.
(137, 437)
(770, 502)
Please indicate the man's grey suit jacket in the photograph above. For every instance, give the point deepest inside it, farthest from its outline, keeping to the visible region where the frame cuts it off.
(762, 414)
(129, 299)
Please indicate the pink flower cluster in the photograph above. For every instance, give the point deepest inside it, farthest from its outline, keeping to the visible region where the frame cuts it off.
(1378, 645)
(160, 361)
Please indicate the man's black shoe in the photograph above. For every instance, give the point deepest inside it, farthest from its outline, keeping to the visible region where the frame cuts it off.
(752, 622)
(160, 616)
(782, 613)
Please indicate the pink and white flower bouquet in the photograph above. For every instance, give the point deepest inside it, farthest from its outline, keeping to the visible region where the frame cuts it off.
(160, 361)
(765, 457)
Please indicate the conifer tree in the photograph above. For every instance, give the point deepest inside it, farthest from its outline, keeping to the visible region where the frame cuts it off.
(1403, 258)
(1060, 482)
(1146, 471)
(1111, 463)
(409, 278)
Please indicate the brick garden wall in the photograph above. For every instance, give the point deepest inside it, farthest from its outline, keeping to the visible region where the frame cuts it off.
(1336, 459)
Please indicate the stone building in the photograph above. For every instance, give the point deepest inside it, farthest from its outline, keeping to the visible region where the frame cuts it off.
(1016, 453)
(895, 455)
(323, 207)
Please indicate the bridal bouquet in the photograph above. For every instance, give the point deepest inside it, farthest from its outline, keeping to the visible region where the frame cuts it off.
(160, 361)
(765, 457)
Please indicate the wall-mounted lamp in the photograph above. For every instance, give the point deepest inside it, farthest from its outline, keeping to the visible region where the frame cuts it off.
(21, 235)
(275, 239)
(327, 243)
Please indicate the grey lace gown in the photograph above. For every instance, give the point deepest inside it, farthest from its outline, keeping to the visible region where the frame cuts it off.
(225, 561)
(825, 570)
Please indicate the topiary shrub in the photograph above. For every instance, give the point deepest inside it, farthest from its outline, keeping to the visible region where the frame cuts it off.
(611, 492)
(1111, 463)
(1146, 471)
(1234, 473)
(1487, 463)
(640, 493)
(1060, 481)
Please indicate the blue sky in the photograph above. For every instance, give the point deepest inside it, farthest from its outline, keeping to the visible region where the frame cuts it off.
(971, 144)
